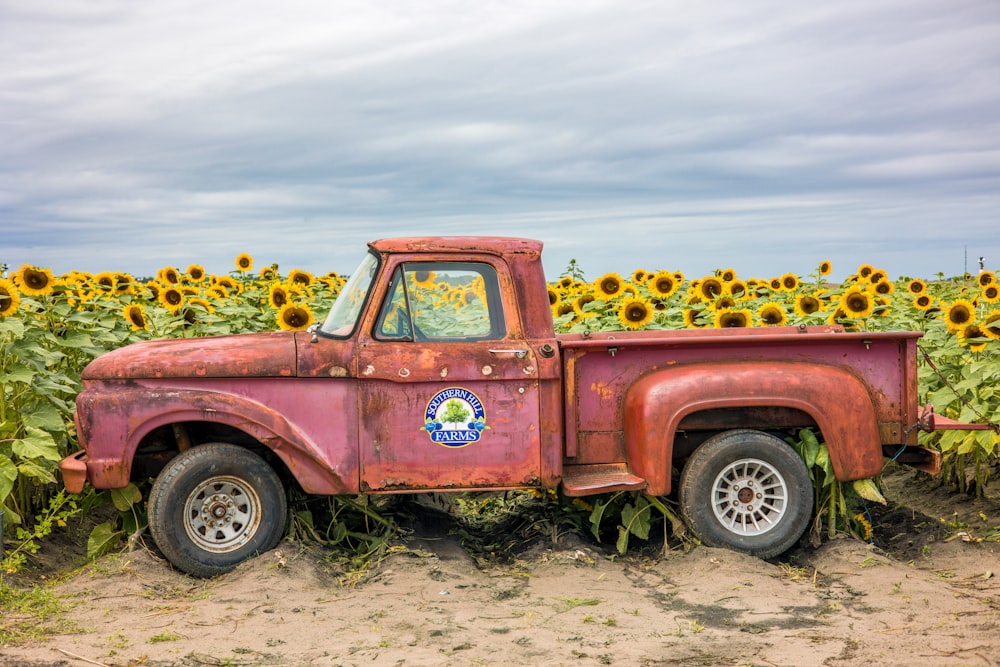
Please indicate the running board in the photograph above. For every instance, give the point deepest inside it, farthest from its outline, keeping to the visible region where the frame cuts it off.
(586, 480)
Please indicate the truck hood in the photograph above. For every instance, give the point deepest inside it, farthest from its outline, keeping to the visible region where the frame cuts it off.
(240, 355)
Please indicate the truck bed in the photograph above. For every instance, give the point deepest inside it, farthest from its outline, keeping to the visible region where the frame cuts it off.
(600, 368)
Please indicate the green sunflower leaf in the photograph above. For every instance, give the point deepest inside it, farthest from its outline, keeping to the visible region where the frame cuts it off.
(103, 539)
(867, 489)
(8, 475)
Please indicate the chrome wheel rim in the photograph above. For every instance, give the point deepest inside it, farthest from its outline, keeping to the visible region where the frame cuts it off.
(749, 497)
(222, 514)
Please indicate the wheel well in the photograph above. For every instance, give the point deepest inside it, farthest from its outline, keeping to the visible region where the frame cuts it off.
(167, 441)
(697, 427)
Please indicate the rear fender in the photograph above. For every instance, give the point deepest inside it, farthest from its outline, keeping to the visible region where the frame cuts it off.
(836, 400)
(129, 415)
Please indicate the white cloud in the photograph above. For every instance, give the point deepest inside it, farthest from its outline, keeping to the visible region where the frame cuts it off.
(711, 133)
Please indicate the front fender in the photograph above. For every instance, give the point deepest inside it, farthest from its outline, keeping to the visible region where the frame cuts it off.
(112, 422)
(836, 400)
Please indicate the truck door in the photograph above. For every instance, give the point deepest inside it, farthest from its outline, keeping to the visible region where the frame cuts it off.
(448, 385)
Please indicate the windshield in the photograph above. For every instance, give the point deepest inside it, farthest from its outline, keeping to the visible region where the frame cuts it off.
(344, 314)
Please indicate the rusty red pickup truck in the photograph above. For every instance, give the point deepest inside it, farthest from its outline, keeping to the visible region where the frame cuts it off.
(438, 369)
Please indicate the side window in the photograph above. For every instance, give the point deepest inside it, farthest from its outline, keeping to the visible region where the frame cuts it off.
(442, 301)
(394, 320)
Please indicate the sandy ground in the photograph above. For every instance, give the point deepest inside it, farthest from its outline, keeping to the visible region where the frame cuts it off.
(918, 599)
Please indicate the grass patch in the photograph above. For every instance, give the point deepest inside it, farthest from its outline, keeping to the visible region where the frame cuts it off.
(30, 614)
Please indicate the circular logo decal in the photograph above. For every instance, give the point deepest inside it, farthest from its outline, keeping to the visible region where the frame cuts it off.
(454, 417)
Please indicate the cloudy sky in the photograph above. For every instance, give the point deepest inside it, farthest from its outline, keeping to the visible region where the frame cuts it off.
(764, 135)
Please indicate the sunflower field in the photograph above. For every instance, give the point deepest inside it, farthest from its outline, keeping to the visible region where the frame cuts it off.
(52, 326)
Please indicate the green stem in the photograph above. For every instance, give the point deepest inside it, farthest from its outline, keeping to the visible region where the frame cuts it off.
(831, 523)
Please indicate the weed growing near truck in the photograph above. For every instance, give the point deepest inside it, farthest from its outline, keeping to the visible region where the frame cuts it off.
(52, 326)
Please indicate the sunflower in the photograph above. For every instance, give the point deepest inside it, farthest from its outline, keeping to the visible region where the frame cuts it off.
(865, 270)
(168, 275)
(295, 317)
(278, 296)
(857, 303)
(710, 287)
(421, 278)
(837, 316)
(726, 275)
(825, 267)
(807, 304)
(566, 282)
(884, 287)
(729, 319)
(226, 283)
(639, 276)
(960, 313)
(772, 314)
(553, 297)
(866, 526)
(774, 284)
(106, 280)
(991, 293)
(738, 288)
(205, 304)
(244, 262)
(10, 298)
(124, 284)
(635, 313)
(304, 278)
(663, 284)
(691, 320)
(172, 299)
(916, 286)
(990, 325)
(154, 289)
(136, 316)
(196, 273)
(876, 276)
(581, 301)
(609, 286)
(923, 301)
(562, 308)
(789, 282)
(35, 281)
(986, 278)
(972, 337)
(723, 302)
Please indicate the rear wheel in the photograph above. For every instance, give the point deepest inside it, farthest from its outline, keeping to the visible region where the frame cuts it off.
(748, 491)
(214, 506)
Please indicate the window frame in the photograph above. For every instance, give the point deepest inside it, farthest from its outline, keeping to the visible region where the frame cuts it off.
(498, 329)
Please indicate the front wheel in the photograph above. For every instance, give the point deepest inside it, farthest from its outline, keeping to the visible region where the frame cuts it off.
(215, 505)
(748, 491)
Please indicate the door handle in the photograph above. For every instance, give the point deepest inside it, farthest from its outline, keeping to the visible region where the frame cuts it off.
(520, 354)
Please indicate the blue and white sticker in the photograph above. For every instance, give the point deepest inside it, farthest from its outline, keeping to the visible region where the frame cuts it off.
(454, 417)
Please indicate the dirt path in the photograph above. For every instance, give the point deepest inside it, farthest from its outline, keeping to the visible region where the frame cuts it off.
(925, 601)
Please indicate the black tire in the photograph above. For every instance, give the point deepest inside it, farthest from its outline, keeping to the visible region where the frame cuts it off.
(747, 491)
(215, 505)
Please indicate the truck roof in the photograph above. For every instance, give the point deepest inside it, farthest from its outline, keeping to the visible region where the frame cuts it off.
(496, 245)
